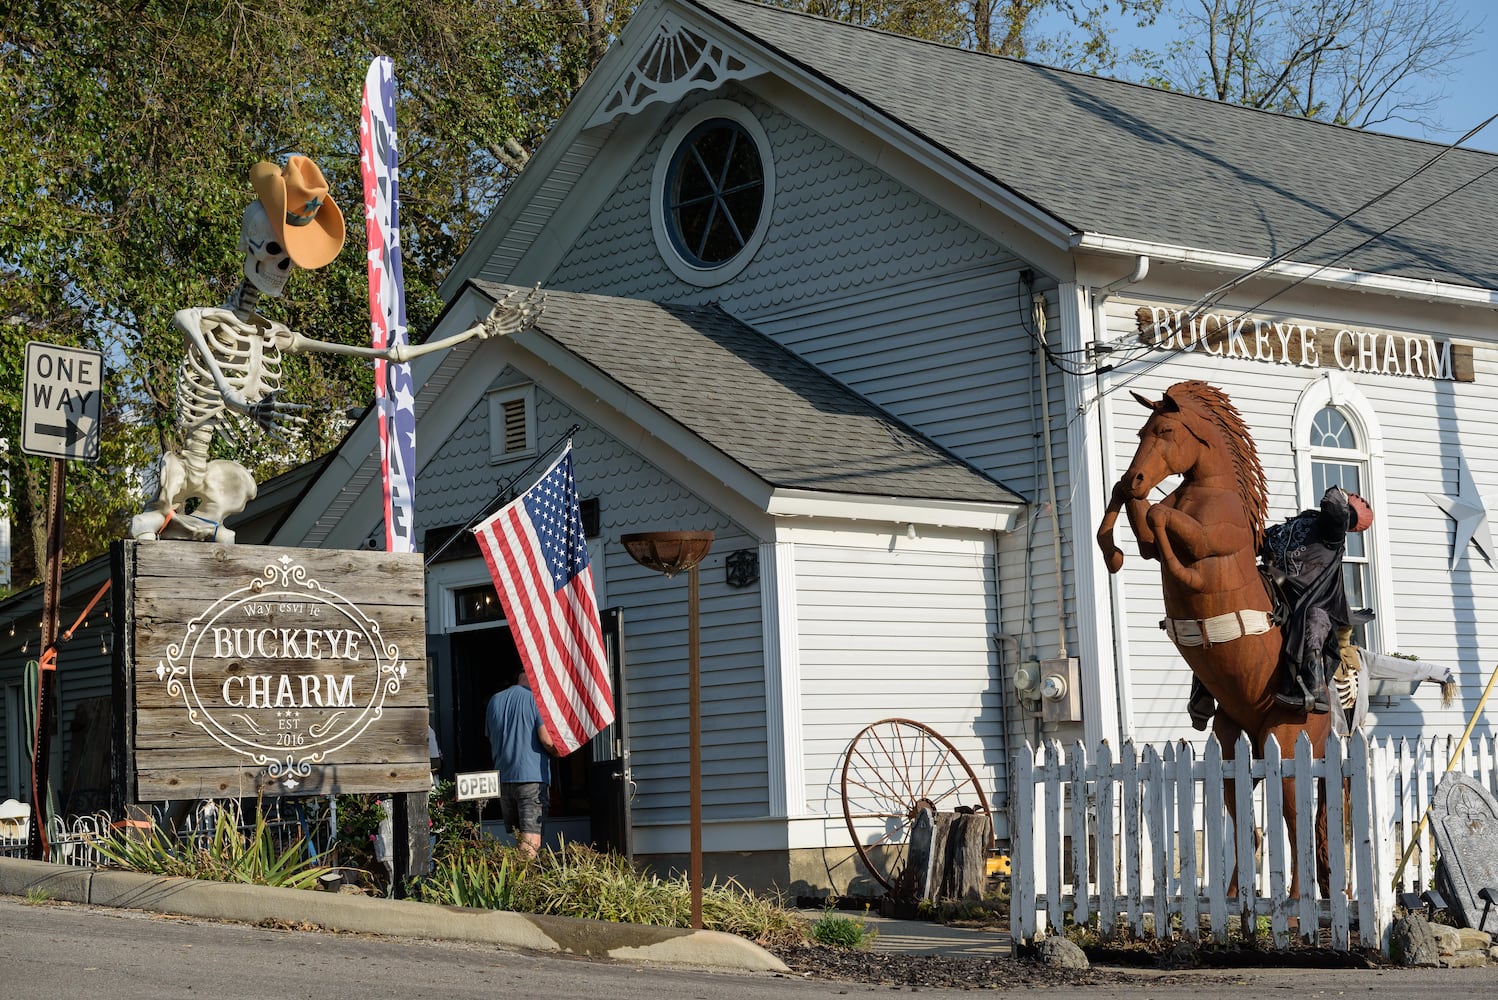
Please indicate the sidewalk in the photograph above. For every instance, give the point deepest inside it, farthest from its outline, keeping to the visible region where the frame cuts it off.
(926, 937)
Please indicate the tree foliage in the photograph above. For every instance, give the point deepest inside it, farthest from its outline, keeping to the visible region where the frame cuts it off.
(1070, 33)
(1352, 62)
(127, 130)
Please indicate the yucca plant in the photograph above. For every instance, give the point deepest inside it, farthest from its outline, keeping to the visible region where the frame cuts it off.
(227, 855)
(580, 882)
(476, 873)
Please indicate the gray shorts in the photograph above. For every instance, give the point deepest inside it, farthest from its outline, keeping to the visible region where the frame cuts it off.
(523, 805)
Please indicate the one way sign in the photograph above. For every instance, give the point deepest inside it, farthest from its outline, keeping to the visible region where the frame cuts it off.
(63, 402)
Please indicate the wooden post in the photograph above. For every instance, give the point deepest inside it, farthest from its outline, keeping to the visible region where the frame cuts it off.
(411, 839)
(694, 744)
(916, 882)
(966, 856)
(46, 708)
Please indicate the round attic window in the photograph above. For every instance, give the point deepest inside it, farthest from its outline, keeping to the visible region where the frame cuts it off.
(712, 193)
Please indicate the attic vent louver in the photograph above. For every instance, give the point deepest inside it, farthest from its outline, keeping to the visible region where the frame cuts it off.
(514, 411)
(675, 62)
(512, 422)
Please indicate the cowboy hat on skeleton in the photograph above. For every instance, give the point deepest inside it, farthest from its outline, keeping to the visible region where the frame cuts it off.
(301, 210)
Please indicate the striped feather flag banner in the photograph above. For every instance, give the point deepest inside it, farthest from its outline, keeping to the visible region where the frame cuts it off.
(394, 399)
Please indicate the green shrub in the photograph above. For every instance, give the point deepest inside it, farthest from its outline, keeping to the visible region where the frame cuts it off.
(452, 820)
(839, 931)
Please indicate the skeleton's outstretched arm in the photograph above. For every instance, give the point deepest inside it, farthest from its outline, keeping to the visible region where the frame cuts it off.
(513, 313)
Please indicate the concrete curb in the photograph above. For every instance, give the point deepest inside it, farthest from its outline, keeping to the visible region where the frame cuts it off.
(254, 903)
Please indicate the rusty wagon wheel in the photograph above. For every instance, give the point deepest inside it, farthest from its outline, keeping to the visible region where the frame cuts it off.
(891, 768)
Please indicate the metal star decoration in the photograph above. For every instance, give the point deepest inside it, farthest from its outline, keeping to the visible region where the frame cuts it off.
(1470, 512)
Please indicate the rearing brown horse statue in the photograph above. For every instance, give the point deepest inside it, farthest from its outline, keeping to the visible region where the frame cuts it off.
(1206, 535)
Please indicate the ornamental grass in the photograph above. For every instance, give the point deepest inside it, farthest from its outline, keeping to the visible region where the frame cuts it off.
(226, 854)
(578, 881)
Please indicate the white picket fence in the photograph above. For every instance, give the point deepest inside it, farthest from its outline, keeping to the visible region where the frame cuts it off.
(1145, 843)
(1416, 769)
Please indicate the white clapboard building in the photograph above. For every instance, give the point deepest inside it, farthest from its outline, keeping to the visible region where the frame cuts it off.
(792, 270)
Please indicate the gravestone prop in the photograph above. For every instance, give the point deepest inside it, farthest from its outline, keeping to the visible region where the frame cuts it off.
(1464, 821)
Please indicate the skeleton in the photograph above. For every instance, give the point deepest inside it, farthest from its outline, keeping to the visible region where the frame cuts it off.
(230, 380)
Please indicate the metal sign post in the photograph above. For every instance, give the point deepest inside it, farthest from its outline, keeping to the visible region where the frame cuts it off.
(37, 847)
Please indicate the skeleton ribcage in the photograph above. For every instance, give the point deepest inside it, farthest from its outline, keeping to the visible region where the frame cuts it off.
(250, 365)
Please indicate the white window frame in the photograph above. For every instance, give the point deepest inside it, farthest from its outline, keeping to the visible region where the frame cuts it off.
(498, 399)
(707, 277)
(1335, 389)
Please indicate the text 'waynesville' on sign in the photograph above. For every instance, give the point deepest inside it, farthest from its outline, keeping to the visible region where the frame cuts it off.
(253, 670)
(63, 402)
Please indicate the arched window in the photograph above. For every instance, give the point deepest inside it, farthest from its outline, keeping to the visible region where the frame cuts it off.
(1338, 443)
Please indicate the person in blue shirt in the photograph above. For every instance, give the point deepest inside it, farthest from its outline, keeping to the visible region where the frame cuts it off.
(520, 747)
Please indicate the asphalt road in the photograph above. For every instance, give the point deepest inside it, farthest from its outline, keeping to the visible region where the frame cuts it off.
(51, 950)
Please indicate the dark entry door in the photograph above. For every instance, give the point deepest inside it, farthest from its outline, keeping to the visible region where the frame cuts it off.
(608, 774)
(484, 661)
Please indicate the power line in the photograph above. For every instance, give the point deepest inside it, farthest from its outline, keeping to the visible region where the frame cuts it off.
(1190, 312)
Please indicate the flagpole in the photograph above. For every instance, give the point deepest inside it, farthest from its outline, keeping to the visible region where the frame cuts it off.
(504, 491)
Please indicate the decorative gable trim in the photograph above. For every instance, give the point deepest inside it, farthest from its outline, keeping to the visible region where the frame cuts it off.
(676, 61)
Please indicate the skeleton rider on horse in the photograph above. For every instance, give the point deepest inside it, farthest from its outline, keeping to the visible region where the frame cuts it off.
(1301, 561)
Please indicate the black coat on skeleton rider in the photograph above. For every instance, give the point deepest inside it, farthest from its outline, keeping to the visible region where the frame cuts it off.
(1304, 557)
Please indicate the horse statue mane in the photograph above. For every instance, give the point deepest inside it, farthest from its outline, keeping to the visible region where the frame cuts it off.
(1211, 403)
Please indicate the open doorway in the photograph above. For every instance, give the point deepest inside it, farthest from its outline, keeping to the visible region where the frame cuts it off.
(485, 661)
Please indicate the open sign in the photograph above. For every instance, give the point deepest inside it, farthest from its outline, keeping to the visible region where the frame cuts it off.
(478, 785)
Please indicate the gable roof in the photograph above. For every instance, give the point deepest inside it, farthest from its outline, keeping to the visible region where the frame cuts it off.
(763, 407)
(1113, 160)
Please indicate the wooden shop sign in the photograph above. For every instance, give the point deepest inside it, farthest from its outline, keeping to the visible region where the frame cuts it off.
(248, 670)
(1278, 341)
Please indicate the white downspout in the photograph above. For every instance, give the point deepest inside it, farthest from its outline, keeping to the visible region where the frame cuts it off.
(1037, 306)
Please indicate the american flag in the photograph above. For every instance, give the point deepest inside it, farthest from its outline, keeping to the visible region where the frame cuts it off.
(394, 399)
(538, 558)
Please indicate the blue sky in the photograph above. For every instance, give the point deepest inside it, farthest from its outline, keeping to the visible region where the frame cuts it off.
(1472, 87)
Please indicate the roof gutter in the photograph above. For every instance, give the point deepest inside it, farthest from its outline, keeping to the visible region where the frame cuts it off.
(1314, 274)
(896, 510)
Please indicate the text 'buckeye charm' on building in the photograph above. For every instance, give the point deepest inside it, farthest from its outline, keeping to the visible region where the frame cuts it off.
(1286, 342)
